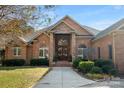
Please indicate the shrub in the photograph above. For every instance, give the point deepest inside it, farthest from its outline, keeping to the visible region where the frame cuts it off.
(97, 70)
(101, 63)
(13, 62)
(84, 59)
(95, 76)
(39, 62)
(113, 72)
(76, 62)
(86, 66)
(106, 69)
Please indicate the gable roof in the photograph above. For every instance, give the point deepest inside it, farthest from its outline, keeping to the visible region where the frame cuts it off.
(31, 36)
(91, 30)
(28, 38)
(109, 29)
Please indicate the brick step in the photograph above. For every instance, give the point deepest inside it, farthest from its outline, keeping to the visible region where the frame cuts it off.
(62, 64)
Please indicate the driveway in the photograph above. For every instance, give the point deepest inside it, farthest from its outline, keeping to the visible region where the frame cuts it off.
(62, 77)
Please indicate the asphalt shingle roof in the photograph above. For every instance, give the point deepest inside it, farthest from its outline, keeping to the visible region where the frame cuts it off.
(91, 30)
(109, 29)
(28, 38)
(97, 33)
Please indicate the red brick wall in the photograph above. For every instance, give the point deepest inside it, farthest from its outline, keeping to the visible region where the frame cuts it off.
(41, 40)
(103, 44)
(80, 40)
(76, 26)
(119, 51)
(62, 28)
(9, 53)
(29, 54)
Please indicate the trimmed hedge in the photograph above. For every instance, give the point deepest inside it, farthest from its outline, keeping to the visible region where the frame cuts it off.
(113, 72)
(96, 70)
(76, 62)
(107, 66)
(39, 62)
(106, 69)
(13, 62)
(101, 63)
(86, 66)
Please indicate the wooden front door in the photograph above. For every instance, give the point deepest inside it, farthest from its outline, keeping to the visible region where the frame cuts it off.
(62, 43)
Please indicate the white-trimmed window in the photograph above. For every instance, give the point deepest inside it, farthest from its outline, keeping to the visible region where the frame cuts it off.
(81, 50)
(43, 52)
(17, 51)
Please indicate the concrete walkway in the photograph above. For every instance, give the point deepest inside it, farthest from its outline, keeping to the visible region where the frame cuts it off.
(62, 77)
(107, 84)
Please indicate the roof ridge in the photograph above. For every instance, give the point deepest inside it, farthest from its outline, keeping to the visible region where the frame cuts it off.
(109, 29)
(91, 29)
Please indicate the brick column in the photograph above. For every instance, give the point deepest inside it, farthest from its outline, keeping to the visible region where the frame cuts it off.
(51, 49)
(73, 46)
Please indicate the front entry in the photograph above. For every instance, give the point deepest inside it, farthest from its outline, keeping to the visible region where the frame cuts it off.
(62, 46)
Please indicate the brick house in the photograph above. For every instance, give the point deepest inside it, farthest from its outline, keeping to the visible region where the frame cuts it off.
(67, 39)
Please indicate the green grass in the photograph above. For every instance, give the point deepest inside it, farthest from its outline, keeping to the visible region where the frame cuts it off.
(20, 77)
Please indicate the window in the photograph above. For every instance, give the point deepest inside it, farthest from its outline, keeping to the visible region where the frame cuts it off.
(43, 52)
(81, 49)
(80, 52)
(17, 51)
(62, 42)
(110, 51)
(99, 52)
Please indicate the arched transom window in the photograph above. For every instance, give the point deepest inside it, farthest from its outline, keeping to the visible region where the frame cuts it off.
(62, 42)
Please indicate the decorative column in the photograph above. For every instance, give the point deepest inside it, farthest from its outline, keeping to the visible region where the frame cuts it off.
(73, 46)
(51, 50)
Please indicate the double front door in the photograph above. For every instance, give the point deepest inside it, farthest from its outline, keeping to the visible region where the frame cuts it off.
(62, 43)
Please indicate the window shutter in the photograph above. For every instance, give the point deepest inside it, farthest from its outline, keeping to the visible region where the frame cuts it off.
(110, 51)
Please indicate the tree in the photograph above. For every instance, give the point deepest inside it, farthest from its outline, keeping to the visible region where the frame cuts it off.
(17, 20)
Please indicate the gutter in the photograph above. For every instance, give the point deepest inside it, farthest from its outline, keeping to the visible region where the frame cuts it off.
(104, 35)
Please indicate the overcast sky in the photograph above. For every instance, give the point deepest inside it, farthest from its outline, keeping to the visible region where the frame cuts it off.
(98, 16)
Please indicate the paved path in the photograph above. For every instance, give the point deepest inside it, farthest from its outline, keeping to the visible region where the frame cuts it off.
(107, 84)
(62, 77)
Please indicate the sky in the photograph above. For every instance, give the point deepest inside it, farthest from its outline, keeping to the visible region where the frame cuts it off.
(96, 16)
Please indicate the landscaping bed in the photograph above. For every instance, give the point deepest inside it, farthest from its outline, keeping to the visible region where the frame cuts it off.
(95, 70)
(21, 77)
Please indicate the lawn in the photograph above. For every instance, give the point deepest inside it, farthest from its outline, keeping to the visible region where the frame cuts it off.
(20, 77)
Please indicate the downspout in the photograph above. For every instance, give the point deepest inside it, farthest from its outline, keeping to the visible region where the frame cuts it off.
(114, 51)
